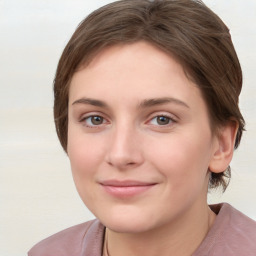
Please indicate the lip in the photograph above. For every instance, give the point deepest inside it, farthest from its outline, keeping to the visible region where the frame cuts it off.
(126, 188)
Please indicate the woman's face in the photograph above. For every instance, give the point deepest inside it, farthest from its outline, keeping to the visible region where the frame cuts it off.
(139, 139)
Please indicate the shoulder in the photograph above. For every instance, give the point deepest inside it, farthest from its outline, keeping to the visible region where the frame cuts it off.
(230, 220)
(82, 239)
(232, 233)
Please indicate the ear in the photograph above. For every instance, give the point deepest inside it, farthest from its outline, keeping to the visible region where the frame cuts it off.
(223, 151)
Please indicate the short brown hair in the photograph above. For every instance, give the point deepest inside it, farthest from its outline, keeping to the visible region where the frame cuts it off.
(187, 29)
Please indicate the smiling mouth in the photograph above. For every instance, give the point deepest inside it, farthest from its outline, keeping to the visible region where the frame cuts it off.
(125, 189)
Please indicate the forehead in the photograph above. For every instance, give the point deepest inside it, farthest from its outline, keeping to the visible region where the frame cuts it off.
(121, 67)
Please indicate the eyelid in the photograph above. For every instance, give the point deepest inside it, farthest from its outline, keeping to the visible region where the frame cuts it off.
(92, 113)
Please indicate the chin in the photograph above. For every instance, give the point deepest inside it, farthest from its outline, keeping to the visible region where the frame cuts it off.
(128, 222)
(131, 226)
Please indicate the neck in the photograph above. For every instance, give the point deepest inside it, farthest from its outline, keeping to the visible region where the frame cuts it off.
(180, 237)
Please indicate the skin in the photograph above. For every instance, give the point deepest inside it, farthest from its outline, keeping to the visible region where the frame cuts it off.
(117, 132)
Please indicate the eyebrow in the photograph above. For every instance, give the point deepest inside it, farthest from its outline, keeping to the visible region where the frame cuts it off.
(88, 101)
(144, 104)
(161, 101)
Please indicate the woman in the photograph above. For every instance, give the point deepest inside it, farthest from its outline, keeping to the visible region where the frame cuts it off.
(146, 107)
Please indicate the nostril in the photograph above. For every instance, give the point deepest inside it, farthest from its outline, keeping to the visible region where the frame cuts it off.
(131, 163)
(122, 162)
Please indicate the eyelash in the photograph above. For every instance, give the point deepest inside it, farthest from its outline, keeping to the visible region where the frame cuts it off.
(83, 120)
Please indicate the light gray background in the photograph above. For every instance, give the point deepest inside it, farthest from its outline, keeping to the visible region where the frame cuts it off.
(37, 195)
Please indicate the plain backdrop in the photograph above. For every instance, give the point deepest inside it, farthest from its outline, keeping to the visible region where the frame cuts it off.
(37, 195)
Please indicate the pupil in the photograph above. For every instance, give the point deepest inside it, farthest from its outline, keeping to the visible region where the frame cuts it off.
(162, 120)
(97, 120)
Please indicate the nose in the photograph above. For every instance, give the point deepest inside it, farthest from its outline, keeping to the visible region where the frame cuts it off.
(125, 148)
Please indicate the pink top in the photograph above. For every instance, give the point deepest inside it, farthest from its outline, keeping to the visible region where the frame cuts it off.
(232, 234)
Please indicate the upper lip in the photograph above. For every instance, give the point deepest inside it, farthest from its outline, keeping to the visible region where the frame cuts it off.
(126, 183)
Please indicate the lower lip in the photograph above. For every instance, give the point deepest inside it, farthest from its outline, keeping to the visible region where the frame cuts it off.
(125, 192)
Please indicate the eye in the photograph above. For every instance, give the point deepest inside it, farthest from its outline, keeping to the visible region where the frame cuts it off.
(92, 121)
(161, 120)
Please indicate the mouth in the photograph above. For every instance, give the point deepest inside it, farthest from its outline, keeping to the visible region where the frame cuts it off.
(126, 188)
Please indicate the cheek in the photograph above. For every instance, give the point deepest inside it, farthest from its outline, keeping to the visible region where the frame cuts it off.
(85, 156)
(83, 165)
(183, 160)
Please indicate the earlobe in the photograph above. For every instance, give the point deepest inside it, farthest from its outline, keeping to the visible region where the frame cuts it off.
(223, 152)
